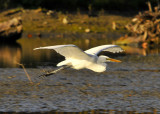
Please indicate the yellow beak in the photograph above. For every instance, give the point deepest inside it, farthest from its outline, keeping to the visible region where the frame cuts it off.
(114, 60)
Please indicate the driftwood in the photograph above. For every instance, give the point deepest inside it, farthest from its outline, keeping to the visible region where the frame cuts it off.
(144, 27)
(13, 11)
(11, 30)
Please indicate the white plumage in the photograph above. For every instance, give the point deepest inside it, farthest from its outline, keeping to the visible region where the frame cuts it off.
(78, 59)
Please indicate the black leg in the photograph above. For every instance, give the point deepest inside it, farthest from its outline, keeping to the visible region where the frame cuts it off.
(48, 73)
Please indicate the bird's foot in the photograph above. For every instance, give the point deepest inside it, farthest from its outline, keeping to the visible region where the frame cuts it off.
(46, 71)
(46, 75)
(50, 72)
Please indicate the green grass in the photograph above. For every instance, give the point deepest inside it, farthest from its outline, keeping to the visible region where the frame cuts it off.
(38, 21)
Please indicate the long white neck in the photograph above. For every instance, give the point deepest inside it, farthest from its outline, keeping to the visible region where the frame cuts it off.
(101, 63)
(101, 59)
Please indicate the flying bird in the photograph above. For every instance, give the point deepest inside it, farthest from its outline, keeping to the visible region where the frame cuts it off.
(78, 59)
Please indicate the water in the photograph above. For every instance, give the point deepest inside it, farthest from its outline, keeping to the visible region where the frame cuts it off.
(22, 50)
(130, 87)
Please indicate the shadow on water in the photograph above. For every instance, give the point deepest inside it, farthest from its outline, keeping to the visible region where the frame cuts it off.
(10, 54)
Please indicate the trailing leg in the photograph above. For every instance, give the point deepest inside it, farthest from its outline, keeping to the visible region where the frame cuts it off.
(48, 73)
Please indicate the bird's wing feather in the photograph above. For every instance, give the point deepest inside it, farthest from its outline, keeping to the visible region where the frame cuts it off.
(68, 51)
(98, 49)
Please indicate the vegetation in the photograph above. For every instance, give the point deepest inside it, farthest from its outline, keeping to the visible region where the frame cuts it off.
(78, 4)
(42, 20)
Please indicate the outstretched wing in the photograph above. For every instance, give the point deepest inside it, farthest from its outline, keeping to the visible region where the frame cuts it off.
(98, 49)
(68, 51)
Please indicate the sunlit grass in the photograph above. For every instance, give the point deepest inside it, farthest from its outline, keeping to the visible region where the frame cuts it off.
(39, 21)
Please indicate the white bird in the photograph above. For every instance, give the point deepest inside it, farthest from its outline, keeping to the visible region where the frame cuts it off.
(89, 59)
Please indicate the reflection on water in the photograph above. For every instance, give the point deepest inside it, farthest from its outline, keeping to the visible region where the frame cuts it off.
(10, 54)
(141, 51)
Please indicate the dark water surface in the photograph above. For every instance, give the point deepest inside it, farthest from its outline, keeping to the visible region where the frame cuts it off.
(130, 87)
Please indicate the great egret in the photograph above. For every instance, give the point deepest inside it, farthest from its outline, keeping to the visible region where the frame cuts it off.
(78, 59)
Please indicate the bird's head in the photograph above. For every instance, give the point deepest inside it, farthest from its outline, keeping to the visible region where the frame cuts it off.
(103, 58)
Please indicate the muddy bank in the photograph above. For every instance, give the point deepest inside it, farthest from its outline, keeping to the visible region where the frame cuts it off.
(130, 86)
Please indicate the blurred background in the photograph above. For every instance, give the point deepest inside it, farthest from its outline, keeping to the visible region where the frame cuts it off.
(123, 5)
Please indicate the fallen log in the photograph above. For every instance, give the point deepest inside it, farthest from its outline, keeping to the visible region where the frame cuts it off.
(11, 30)
(144, 28)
